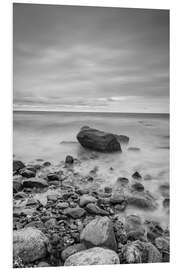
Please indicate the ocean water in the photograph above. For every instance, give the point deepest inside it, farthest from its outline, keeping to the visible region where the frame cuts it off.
(52, 135)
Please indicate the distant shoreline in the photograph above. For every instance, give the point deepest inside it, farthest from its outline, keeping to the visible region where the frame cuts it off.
(165, 115)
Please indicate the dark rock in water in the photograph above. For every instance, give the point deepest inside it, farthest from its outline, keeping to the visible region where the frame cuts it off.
(93, 256)
(122, 180)
(72, 250)
(166, 202)
(29, 244)
(99, 232)
(108, 190)
(47, 164)
(164, 189)
(141, 200)
(35, 182)
(94, 209)
(53, 177)
(136, 175)
(18, 165)
(69, 160)
(27, 173)
(98, 140)
(138, 186)
(76, 212)
(17, 186)
(122, 138)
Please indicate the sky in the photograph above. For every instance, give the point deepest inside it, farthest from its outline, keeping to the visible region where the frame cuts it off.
(72, 58)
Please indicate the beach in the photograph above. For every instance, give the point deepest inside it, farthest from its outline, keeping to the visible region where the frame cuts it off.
(45, 139)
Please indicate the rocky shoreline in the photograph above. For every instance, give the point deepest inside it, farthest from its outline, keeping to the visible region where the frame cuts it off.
(63, 218)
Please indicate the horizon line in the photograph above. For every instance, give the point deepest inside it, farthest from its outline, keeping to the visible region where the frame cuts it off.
(17, 110)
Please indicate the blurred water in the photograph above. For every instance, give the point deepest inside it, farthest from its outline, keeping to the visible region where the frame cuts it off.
(52, 135)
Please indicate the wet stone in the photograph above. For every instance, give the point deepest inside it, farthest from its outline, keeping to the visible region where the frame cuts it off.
(136, 175)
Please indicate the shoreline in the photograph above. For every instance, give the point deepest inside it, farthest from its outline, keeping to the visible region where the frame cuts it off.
(60, 203)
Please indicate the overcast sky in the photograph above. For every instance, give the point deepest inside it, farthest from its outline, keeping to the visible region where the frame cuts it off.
(90, 59)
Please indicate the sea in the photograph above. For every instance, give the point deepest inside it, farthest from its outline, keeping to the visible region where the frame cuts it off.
(51, 136)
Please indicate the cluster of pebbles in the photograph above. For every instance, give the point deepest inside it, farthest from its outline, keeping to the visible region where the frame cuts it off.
(61, 217)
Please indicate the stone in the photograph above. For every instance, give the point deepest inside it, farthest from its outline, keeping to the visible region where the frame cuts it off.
(20, 195)
(62, 205)
(18, 165)
(122, 180)
(117, 197)
(29, 244)
(141, 200)
(47, 164)
(138, 186)
(94, 209)
(69, 160)
(85, 199)
(52, 197)
(136, 175)
(72, 250)
(99, 232)
(140, 252)
(162, 244)
(108, 190)
(43, 264)
(98, 140)
(166, 202)
(93, 256)
(52, 177)
(76, 212)
(27, 173)
(35, 182)
(17, 186)
(153, 254)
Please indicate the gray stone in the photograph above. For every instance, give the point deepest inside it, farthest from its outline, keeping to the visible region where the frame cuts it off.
(93, 256)
(18, 165)
(94, 209)
(85, 199)
(99, 232)
(29, 244)
(76, 212)
(35, 182)
(72, 250)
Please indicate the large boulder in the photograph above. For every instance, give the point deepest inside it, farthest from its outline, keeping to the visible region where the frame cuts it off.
(93, 256)
(96, 210)
(98, 140)
(29, 244)
(99, 232)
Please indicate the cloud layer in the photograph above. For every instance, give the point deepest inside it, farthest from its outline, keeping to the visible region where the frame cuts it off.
(91, 59)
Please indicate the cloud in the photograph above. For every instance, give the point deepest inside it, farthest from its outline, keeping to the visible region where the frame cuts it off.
(82, 56)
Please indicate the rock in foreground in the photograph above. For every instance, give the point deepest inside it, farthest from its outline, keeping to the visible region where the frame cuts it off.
(29, 244)
(98, 140)
(93, 256)
(99, 232)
